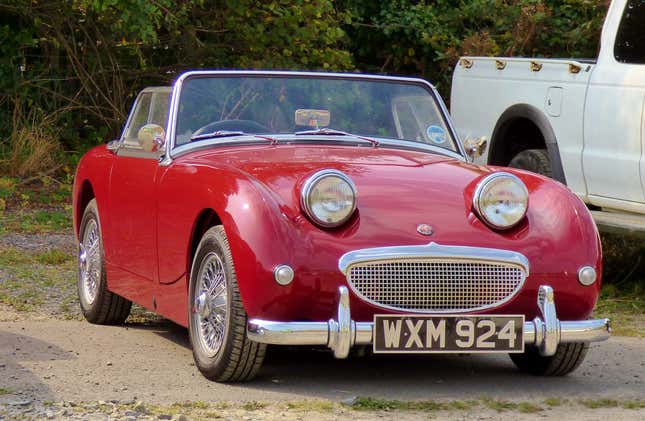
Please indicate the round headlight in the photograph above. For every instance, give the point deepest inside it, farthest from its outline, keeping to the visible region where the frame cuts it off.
(501, 200)
(329, 198)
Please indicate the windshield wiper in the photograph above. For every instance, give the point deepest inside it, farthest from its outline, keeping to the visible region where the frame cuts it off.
(333, 132)
(216, 134)
(228, 133)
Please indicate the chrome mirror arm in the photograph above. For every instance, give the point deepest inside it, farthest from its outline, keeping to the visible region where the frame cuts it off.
(114, 145)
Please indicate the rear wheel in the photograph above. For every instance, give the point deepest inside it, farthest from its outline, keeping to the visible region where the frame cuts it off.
(534, 160)
(98, 305)
(217, 320)
(567, 358)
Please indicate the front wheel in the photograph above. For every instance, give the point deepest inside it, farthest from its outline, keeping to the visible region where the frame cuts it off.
(217, 320)
(567, 358)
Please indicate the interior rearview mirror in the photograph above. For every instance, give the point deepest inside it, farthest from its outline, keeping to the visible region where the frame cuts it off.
(151, 137)
(312, 118)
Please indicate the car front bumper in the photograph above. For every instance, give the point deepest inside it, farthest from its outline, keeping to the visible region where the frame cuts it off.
(342, 333)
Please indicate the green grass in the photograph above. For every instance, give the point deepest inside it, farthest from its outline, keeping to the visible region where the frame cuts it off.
(613, 403)
(34, 280)
(553, 402)
(5, 391)
(30, 221)
(373, 404)
(625, 306)
(254, 405)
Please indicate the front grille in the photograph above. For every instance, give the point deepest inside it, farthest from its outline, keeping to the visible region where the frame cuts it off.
(435, 285)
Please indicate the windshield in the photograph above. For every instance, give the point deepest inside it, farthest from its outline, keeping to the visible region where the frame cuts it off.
(274, 105)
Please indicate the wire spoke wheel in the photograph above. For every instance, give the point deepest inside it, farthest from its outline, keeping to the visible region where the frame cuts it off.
(89, 262)
(217, 320)
(210, 304)
(98, 304)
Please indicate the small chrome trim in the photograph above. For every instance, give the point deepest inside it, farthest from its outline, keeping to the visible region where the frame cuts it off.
(587, 275)
(306, 192)
(283, 274)
(342, 333)
(480, 187)
(433, 250)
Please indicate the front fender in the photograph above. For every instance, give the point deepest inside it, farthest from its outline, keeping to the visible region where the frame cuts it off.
(260, 231)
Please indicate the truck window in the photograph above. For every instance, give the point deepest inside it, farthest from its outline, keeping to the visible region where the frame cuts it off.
(630, 40)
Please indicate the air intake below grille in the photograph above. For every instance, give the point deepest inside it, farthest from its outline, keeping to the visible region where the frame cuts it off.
(435, 285)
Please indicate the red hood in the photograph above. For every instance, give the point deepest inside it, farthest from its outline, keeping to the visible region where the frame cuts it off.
(403, 180)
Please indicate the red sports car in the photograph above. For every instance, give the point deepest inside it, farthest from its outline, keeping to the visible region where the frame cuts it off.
(294, 208)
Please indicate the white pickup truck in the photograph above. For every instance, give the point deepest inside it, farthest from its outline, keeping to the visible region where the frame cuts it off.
(581, 122)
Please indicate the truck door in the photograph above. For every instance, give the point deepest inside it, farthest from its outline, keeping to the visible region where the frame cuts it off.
(613, 156)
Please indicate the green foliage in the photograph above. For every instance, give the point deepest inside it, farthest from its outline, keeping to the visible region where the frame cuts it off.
(426, 38)
(81, 63)
(70, 70)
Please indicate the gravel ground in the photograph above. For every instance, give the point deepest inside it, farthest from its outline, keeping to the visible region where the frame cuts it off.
(39, 242)
(55, 367)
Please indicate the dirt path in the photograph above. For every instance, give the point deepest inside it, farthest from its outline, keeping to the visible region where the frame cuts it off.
(52, 360)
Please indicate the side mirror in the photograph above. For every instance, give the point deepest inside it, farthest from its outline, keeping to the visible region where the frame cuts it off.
(475, 147)
(151, 137)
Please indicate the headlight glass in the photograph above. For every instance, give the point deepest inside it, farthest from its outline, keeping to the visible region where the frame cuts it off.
(501, 200)
(329, 198)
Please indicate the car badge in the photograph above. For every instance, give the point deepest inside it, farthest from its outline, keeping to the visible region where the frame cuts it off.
(425, 229)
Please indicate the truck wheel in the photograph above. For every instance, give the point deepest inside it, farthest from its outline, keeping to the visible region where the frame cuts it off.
(217, 320)
(566, 359)
(534, 160)
(98, 305)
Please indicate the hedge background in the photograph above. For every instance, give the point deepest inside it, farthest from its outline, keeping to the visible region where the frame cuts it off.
(69, 70)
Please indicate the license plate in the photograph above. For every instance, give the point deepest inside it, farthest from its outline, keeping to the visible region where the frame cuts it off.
(447, 334)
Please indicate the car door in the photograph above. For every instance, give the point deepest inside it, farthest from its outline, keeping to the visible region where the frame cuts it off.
(133, 195)
(613, 157)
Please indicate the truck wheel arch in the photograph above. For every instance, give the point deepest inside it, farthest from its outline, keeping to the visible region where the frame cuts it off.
(524, 118)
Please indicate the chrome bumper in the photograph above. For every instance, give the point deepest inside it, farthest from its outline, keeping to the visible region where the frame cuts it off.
(342, 333)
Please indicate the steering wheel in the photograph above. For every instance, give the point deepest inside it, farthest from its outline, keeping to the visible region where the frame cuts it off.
(246, 126)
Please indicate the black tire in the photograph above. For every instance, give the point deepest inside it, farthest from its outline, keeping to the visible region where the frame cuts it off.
(534, 160)
(566, 359)
(235, 357)
(98, 304)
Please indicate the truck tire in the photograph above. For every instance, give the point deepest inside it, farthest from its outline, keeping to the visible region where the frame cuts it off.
(567, 358)
(534, 160)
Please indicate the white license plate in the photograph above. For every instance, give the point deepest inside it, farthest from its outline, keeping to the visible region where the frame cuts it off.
(447, 334)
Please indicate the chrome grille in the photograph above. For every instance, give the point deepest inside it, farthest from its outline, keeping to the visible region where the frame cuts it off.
(435, 285)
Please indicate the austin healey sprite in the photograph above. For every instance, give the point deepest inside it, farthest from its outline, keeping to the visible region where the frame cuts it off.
(337, 210)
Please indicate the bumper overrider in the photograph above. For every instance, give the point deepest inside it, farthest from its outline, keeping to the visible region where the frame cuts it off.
(342, 333)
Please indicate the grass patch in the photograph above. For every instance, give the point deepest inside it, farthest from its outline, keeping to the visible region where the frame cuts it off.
(633, 404)
(190, 405)
(54, 257)
(254, 406)
(600, 403)
(625, 306)
(36, 221)
(311, 405)
(373, 404)
(33, 280)
(5, 391)
(553, 402)
(613, 403)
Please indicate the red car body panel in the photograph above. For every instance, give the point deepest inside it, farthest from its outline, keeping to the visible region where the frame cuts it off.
(149, 213)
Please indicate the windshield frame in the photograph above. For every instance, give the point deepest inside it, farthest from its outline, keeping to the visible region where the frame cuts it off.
(173, 151)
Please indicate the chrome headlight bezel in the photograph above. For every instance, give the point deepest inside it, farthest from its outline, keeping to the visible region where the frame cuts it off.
(489, 182)
(306, 200)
